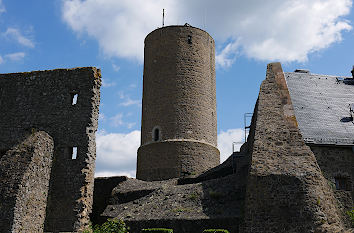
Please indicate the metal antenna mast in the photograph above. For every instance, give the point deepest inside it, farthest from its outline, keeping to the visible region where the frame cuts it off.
(163, 17)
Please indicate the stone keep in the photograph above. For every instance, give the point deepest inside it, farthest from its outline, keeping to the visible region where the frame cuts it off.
(178, 128)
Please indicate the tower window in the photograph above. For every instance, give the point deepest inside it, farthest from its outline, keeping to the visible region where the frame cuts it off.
(189, 39)
(342, 183)
(156, 134)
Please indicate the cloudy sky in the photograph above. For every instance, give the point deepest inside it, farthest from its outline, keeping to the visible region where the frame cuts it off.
(109, 34)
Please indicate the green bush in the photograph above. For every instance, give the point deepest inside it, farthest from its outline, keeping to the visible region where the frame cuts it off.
(157, 230)
(350, 213)
(111, 226)
(215, 195)
(215, 231)
(193, 196)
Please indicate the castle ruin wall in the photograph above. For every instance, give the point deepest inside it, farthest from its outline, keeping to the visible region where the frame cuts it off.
(337, 166)
(64, 103)
(24, 184)
(286, 191)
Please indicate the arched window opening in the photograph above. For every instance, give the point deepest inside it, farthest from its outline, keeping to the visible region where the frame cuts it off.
(156, 134)
(189, 39)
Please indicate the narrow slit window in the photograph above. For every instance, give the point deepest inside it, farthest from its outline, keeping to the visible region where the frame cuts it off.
(74, 153)
(156, 134)
(189, 39)
(74, 98)
(342, 183)
(2, 153)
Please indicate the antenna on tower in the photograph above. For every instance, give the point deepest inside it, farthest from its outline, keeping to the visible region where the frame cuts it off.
(204, 18)
(163, 17)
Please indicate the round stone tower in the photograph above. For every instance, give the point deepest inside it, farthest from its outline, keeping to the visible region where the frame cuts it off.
(178, 128)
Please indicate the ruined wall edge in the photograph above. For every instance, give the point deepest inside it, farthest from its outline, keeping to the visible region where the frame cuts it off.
(24, 184)
(286, 191)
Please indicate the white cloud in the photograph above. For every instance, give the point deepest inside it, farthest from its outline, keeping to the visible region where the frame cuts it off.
(119, 26)
(15, 56)
(225, 140)
(115, 67)
(127, 101)
(2, 7)
(16, 35)
(101, 117)
(284, 30)
(130, 125)
(133, 86)
(116, 153)
(130, 173)
(117, 120)
(107, 83)
(228, 55)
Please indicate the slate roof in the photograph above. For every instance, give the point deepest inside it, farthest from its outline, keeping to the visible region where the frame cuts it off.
(322, 106)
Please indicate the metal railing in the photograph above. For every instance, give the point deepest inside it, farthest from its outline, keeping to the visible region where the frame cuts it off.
(247, 116)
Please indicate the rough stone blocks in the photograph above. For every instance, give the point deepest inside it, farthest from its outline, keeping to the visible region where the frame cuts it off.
(179, 103)
(286, 191)
(64, 103)
(24, 184)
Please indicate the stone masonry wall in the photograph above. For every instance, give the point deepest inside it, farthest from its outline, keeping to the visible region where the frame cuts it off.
(337, 162)
(180, 158)
(43, 100)
(24, 184)
(179, 96)
(286, 191)
(101, 195)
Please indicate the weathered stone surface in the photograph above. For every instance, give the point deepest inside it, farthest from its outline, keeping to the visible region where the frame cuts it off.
(286, 191)
(101, 194)
(166, 159)
(290, 185)
(185, 208)
(337, 162)
(24, 184)
(186, 225)
(237, 163)
(179, 99)
(43, 100)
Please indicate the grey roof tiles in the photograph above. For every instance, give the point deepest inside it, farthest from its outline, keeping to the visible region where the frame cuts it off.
(322, 107)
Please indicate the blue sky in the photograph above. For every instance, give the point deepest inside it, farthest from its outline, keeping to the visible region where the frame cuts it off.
(41, 34)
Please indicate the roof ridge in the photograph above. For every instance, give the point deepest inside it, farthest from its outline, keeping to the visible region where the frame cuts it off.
(323, 75)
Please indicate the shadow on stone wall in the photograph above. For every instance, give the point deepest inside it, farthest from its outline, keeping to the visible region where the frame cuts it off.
(24, 184)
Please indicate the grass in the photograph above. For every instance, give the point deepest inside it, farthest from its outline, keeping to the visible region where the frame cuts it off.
(215, 195)
(193, 196)
(350, 214)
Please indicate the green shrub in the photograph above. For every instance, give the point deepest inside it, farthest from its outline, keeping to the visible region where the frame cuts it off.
(215, 195)
(350, 213)
(193, 196)
(157, 230)
(111, 226)
(215, 231)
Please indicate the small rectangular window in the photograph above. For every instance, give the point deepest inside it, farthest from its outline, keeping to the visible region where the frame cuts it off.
(74, 153)
(342, 183)
(74, 99)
